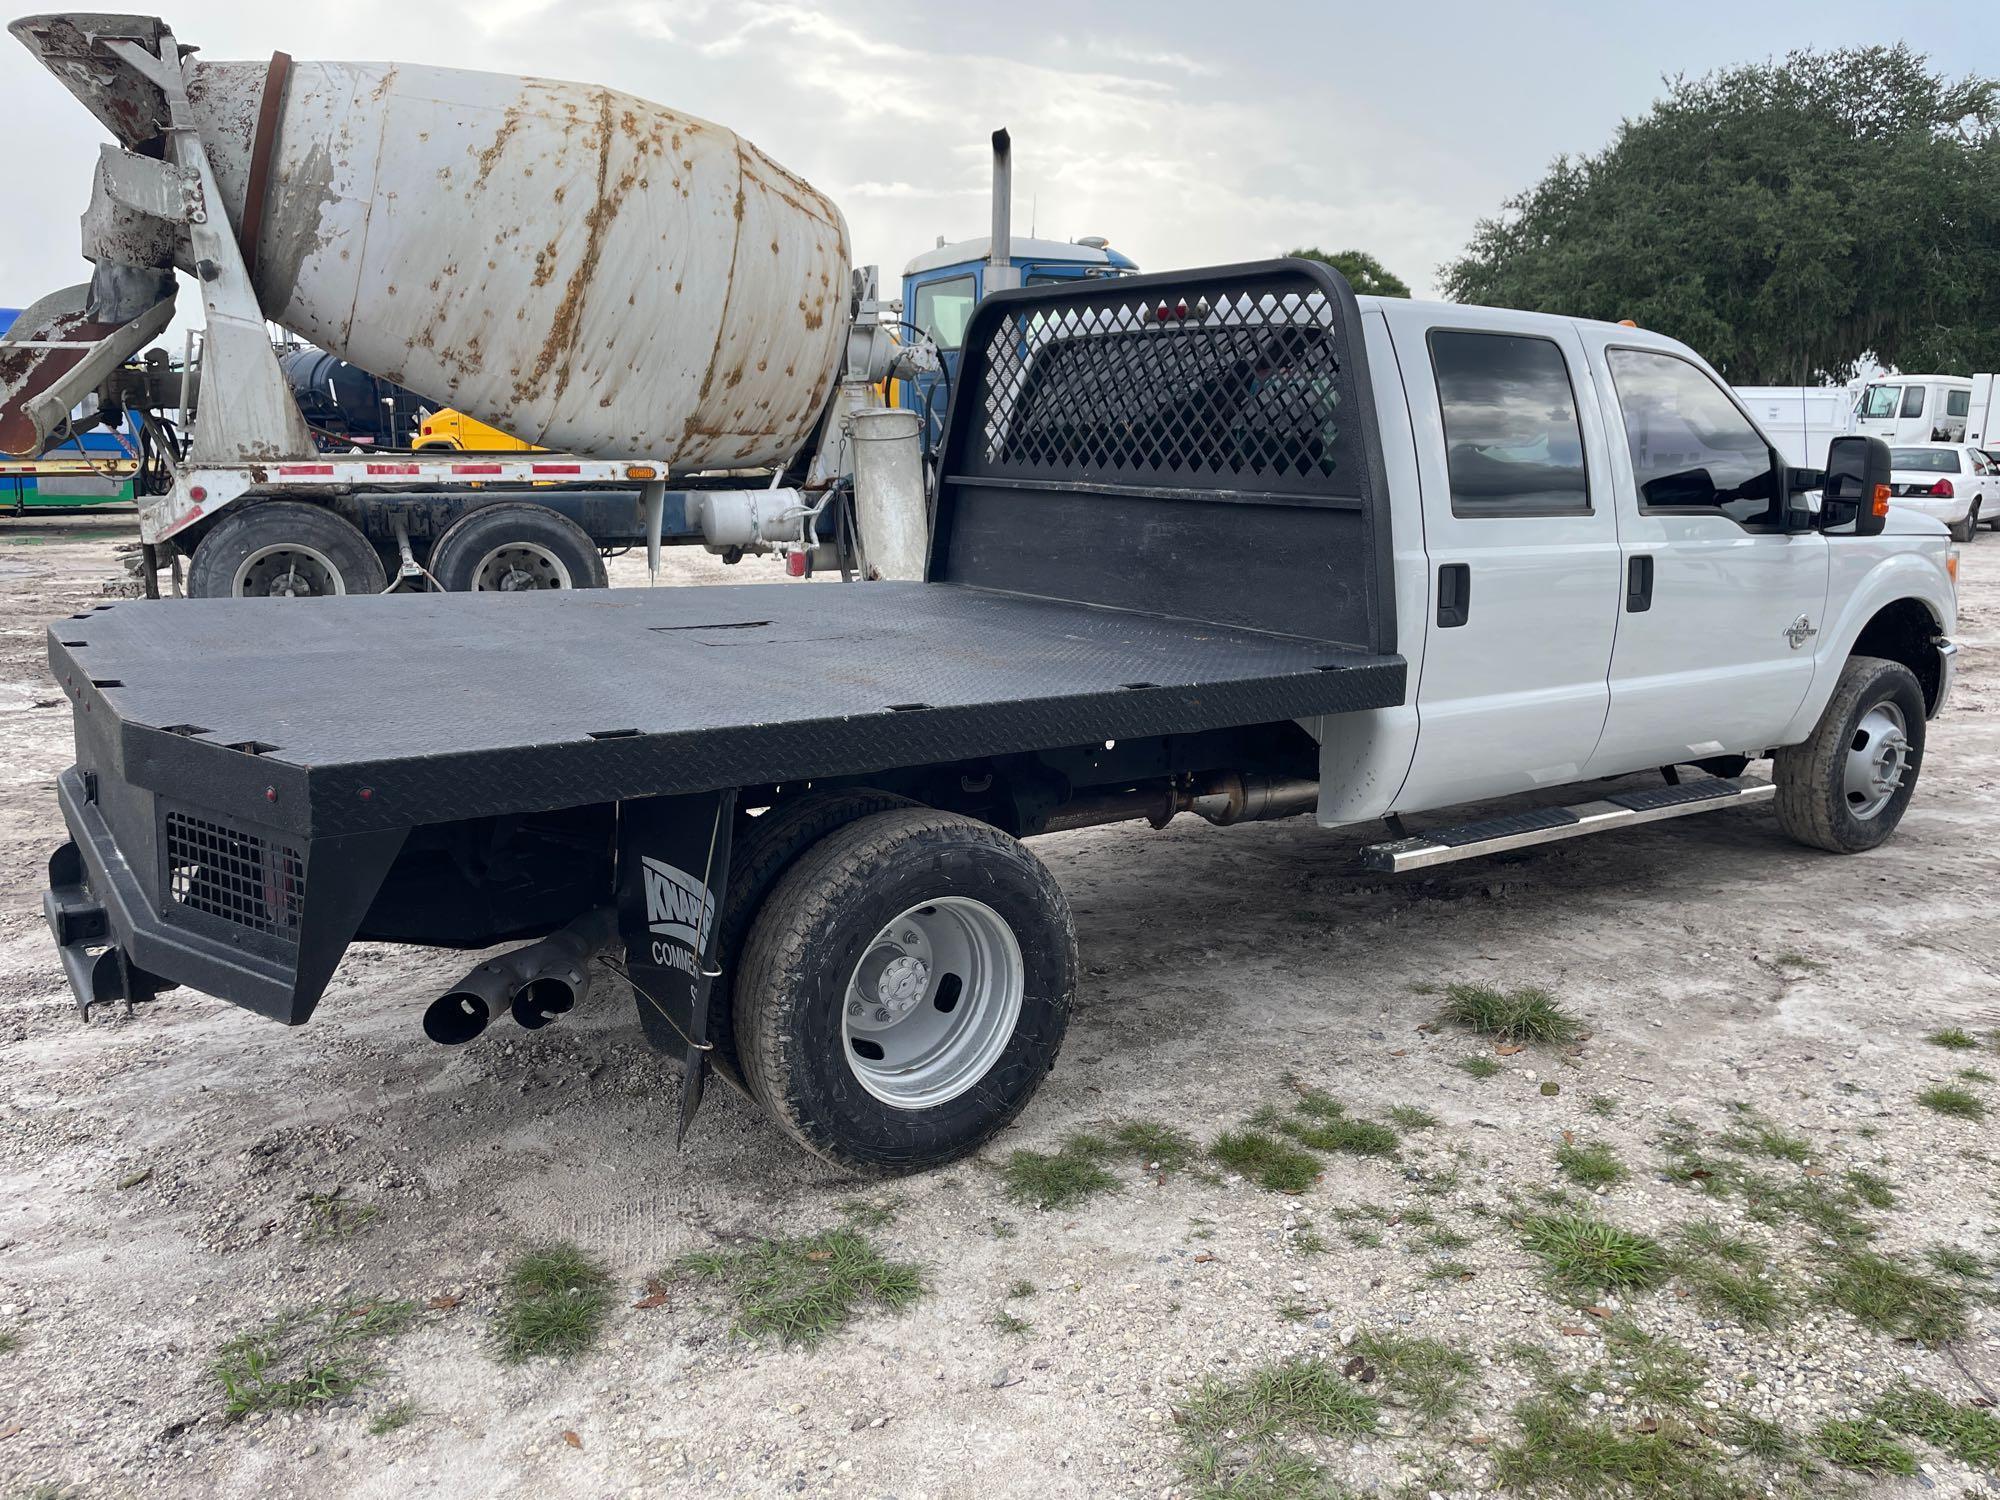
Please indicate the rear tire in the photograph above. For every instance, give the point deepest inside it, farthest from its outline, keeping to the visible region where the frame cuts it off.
(952, 929)
(764, 849)
(1845, 789)
(1965, 530)
(284, 549)
(515, 546)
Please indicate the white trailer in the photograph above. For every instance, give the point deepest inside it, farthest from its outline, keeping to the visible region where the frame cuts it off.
(1802, 420)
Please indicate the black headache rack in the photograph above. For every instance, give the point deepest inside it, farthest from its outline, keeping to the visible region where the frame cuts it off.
(1161, 512)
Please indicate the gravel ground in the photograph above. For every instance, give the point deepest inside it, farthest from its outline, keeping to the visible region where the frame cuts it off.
(154, 1169)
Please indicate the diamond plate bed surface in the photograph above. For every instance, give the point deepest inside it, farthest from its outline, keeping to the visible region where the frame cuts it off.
(452, 706)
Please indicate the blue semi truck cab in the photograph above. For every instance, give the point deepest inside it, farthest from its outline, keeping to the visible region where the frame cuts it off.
(942, 286)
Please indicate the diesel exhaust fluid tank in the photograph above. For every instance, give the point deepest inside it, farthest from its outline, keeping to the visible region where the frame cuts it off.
(576, 266)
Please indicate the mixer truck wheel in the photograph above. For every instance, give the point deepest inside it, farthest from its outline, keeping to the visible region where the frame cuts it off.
(513, 546)
(284, 549)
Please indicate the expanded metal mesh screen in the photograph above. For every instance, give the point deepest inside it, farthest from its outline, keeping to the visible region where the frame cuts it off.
(236, 876)
(1239, 388)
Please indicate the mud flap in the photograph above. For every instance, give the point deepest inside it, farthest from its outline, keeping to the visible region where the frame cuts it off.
(673, 873)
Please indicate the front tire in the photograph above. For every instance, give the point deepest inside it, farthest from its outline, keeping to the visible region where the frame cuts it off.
(284, 549)
(905, 988)
(514, 547)
(1845, 789)
(1966, 529)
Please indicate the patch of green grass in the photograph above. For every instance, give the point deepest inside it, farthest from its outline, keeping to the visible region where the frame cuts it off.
(1166, 1148)
(1871, 1188)
(1659, 1375)
(1426, 1375)
(10, 1340)
(1356, 1137)
(1591, 1164)
(1967, 1433)
(872, 1213)
(306, 1356)
(1602, 1105)
(1763, 1441)
(1443, 1237)
(1560, 1452)
(330, 1216)
(1957, 1038)
(1240, 1434)
(1863, 1444)
(1956, 1262)
(1448, 1270)
(394, 1418)
(1723, 1275)
(553, 1302)
(1362, 1236)
(1006, 1322)
(1317, 1103)
(1309, 1241)
(1435, 1184)
(1884, 1294)
(1525, 1014)
(1409, 1117)
(1062, 1178)
(1266, 1160)
(1021, 1288)
(1761, 1138)
(800, 1289)
(1584, 1254)
(1950, 1099)
(1975, 1075)
(1790, 960)
(1479, 1065)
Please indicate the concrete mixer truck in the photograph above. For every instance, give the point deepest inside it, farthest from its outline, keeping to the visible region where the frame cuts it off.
(646, 295)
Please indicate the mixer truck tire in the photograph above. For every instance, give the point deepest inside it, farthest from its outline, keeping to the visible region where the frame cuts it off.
(284, 549)
(905, 989)
(515, 546)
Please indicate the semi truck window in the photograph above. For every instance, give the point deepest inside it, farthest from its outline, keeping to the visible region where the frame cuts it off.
(1512, 443)
(1880, 400)
(1691, 448)
(943, 309)
(1913, 401)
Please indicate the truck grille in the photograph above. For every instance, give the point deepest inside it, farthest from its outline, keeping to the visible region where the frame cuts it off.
(236, 876)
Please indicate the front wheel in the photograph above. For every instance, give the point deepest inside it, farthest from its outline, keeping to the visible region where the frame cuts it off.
(1964, 530)
(905, 989)
(1846, 788)
(284, 549)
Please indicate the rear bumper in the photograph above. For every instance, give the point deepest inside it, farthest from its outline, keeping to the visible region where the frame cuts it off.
(230, 919)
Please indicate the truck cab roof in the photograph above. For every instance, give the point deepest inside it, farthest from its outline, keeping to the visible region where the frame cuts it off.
(1024, 249)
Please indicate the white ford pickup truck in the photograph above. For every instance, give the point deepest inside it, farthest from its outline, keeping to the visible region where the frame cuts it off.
(1226, 542)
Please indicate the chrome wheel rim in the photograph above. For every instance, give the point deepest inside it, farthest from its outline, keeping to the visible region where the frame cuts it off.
(933, 1003)
(517, 566)
(1878, 758)
(287, 570)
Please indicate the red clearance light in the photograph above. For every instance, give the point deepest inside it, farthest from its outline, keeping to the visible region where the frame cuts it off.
(1943, 490)
(795, 564)
(197, 493)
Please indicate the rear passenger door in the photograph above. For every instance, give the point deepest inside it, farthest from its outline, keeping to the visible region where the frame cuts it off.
(1523, 553)
(1720, 607)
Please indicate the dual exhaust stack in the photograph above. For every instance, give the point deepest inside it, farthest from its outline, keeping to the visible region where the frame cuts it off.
(536, 984)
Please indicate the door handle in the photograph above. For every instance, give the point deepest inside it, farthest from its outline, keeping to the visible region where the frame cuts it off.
(1638, 584)
(1454, 594)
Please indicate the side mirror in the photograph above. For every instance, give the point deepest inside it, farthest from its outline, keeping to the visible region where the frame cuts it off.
(1857, 485)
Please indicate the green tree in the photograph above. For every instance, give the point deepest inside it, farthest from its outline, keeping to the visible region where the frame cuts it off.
(1367, 275)
(1785, 218)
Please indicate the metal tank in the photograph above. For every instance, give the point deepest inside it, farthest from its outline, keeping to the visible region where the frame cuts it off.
(583, 268)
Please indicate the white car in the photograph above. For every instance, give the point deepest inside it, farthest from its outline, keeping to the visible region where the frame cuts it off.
(1955, 483)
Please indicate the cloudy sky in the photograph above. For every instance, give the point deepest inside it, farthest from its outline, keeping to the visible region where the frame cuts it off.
(1184, 132)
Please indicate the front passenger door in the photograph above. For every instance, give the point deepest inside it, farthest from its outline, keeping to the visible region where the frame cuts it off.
(1721, 606)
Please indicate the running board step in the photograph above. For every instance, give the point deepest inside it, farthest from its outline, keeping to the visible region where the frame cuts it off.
(1548, 824)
